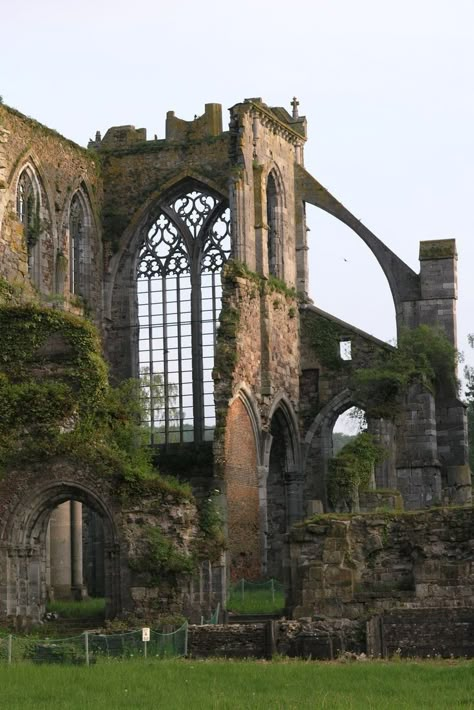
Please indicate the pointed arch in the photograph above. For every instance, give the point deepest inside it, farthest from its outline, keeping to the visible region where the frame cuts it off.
(275, 200)
(80, 228)
(282, 404)
(28, 210)
(180, 252)
(244, 393)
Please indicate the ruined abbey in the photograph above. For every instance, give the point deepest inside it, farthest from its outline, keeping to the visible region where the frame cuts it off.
(177, 267)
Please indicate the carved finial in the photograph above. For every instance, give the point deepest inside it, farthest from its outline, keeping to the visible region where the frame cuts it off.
(295, 103)
(98, 137)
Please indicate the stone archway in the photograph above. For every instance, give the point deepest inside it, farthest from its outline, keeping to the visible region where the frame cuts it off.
(23, 580)
(284, 484)
(318, 447)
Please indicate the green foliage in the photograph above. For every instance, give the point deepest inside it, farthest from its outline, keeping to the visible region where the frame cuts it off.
(423, 354)
(161, 557)
(339, 440)
(56, 401)
(469, 375)
(70, 609)
(324, 337)
(351, 469)
(236, 269)
(211, 540)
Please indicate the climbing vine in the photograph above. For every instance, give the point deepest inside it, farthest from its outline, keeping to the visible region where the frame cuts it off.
(423, 354)
(56, 401)
(352, 468)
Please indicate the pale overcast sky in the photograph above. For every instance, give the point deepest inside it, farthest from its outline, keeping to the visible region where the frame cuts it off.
(386, 86)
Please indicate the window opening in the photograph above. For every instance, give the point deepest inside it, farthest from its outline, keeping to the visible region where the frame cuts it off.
(179, 302)
(76, 248)
(274, 236)
(345, 349)
(28, 212)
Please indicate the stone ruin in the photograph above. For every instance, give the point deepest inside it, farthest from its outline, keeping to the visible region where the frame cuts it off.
(189, 254)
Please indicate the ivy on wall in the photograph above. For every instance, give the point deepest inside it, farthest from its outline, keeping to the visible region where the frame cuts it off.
(423, 354)
(55, 401)
(352, 468)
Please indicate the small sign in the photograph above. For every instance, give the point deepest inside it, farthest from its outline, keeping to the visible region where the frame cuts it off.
(145, 635)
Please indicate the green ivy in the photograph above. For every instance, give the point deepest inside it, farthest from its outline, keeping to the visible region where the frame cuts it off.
(423, 354)
(55, 400)
(352, 468)
(161, 556)
(324, 337)
(211, 539)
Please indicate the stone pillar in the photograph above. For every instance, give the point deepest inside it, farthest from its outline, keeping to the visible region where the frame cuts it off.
(383, 431)
(60, 551)
(294, 496)
(77, 586)
(437, 308)
(418, 468)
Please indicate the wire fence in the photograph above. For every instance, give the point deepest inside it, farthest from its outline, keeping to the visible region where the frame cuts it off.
(88, 648)
(247, 597)
(214, 618)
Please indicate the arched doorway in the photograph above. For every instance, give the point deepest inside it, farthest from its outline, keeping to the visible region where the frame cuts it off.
(284, 494)
(75, 553)
(24, 582)
(343, 415)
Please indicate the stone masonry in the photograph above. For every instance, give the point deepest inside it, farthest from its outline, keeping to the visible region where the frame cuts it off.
(279, 381)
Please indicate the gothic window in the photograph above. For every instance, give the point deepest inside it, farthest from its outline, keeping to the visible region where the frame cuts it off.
(77, 245)
(28, 212)
(274, 230)
(179, 301)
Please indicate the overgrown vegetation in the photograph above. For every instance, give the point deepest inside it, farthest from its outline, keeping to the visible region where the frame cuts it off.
(324, 336)
(70, 609)
(56, 400)
(269, 285)
(469, 375)
(351, 469)
(423, 355)
(161, 556)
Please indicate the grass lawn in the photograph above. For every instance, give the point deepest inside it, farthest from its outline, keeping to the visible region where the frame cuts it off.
(93, 606)
(256, 601)
(252, 685)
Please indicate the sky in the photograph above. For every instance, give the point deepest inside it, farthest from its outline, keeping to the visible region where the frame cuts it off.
(386, 86)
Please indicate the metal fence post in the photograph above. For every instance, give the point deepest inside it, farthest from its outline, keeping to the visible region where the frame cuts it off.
(86, 643)
(186, 639)
(10, 644)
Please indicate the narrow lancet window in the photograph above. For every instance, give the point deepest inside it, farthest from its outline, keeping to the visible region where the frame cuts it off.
(77, 221)
(274, 230)
(28, 212)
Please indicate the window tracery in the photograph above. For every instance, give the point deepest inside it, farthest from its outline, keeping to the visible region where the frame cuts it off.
(179, 301)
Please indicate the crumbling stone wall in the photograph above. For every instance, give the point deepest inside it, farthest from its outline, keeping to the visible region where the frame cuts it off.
(257, 353)
(352, 567)
(28, 496)
(61, 167)
(327, 391)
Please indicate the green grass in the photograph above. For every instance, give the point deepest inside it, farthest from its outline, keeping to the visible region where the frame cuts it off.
(256, 601)
(247, 685)
(69, 609)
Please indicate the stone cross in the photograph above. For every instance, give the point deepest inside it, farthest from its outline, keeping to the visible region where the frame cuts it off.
(295, 103)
